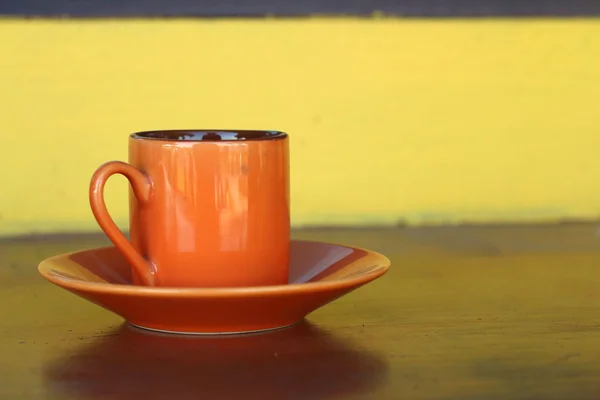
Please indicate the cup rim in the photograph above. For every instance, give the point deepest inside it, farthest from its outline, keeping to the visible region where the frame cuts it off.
(209, 135)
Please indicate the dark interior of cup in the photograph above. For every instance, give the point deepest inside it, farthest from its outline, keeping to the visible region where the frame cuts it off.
(209, 135)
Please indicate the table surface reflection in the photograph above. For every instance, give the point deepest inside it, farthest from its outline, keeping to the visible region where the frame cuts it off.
(464, 313)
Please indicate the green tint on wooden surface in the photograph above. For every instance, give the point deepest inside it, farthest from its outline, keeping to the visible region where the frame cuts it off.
(464, 313)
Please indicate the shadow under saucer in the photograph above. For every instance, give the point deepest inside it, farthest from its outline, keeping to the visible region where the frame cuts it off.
(300, 362)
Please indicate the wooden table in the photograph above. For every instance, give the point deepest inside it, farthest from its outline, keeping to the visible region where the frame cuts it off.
(465, 313)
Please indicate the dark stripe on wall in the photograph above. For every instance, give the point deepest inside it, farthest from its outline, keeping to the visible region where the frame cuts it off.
(297, 8)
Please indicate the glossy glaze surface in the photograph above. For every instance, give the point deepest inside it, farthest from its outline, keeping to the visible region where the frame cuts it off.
(319, 273)
(203, 213)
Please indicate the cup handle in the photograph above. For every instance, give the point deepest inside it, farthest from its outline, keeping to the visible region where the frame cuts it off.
(142, 188)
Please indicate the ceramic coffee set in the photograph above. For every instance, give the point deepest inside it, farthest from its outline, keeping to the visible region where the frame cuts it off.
(209, 248)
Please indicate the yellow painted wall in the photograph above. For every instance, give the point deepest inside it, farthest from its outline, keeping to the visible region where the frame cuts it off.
(424, 121)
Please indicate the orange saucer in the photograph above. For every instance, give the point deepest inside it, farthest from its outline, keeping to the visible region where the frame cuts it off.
(319, 274)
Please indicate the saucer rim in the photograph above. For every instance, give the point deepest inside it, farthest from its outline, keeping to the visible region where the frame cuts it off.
(383, 266)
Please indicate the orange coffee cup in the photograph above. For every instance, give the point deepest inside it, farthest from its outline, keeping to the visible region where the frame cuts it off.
(208, 208)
